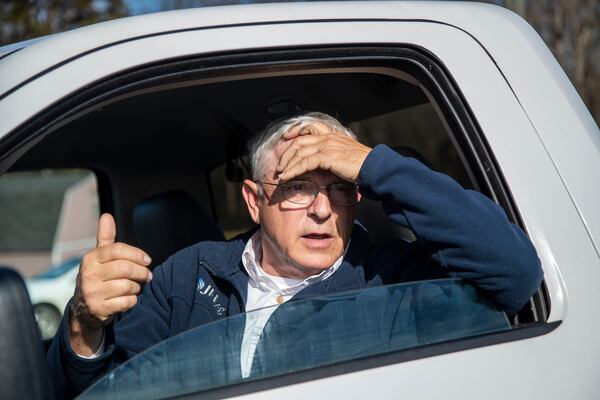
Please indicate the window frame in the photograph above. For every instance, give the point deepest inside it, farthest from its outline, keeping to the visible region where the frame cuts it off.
(431, 73)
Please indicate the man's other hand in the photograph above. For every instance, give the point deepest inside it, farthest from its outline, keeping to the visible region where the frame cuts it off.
(316, 146)
(109, 279)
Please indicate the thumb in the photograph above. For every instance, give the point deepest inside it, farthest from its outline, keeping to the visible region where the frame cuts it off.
(107, 230)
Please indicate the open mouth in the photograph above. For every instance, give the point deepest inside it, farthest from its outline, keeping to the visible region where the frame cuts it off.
(317, 236)
(317, 240)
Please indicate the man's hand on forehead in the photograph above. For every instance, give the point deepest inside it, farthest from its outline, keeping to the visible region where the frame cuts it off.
(315, 128)
(317, 146)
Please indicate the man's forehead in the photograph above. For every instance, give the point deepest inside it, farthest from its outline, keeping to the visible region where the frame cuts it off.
(319, 176)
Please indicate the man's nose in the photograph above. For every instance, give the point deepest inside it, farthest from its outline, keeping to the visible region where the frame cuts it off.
(321, 207)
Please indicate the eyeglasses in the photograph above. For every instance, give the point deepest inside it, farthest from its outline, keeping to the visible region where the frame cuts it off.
(303, 192)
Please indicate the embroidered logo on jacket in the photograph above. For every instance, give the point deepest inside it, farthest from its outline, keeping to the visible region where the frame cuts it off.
(207, 290)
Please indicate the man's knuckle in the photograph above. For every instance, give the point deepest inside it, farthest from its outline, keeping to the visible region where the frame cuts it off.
(87, 292)
(89, 273)
(124, 267)
(127, 302)
(89, 260)
(94, 308)
(128, 286)
(121, 286)
(134, 287)
(118, 248)
(116, 286)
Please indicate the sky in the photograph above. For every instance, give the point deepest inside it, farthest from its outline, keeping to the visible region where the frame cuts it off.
(137, 7)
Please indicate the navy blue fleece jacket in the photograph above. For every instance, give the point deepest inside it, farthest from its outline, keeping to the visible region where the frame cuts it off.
(460, 233)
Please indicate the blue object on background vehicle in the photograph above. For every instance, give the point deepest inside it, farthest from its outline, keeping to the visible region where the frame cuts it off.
(58, 270)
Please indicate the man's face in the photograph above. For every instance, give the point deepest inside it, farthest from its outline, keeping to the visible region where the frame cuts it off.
(300, 241)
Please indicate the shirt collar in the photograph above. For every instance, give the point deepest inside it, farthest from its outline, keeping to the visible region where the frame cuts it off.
(259, 278)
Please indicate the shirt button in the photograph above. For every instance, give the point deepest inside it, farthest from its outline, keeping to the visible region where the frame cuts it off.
(279, 299)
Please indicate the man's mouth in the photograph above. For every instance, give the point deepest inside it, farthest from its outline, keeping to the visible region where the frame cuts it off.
(317, 239)
(317, 236)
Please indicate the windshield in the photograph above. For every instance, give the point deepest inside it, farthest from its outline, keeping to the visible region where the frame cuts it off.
(305, 334)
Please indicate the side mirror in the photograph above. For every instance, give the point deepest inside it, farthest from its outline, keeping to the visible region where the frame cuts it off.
(23, 371)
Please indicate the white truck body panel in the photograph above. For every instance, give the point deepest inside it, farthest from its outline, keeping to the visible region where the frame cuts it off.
(542, 136)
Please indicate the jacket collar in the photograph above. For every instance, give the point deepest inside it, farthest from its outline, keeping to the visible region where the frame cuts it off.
(225, 261)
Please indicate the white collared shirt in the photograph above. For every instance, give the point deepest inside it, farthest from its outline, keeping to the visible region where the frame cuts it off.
(269, 291)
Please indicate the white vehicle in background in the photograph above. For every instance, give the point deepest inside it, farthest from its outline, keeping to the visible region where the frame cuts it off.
(50, 292)
(160, 107)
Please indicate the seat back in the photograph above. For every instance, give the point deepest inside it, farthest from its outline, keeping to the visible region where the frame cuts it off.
(23, 370)
(169, 222)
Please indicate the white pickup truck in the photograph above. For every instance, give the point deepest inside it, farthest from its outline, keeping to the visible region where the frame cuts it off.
(164, 103)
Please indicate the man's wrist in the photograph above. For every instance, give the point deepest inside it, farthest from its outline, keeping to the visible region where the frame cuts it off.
(84, 340)
(98, 352)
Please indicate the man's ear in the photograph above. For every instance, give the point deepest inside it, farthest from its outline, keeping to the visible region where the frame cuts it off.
(250, 193)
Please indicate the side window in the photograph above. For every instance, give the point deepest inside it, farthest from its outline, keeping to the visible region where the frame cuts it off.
(306, 334)
(49, 219)
(417, 131)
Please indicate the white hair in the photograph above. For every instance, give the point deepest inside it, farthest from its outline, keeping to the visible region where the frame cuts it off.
(271, 136)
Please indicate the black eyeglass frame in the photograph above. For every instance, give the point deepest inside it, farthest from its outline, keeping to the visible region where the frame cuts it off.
(282, 186)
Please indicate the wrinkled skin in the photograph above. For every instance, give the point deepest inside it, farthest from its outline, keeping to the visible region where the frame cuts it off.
(300, 242)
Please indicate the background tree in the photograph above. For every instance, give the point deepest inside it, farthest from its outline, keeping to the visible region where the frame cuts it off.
(20, 20)
(571, 29)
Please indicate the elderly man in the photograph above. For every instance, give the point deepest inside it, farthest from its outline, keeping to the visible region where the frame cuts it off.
(308, 174)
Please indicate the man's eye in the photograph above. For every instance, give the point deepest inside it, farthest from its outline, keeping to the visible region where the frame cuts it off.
(296, 186)
(342, 188)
